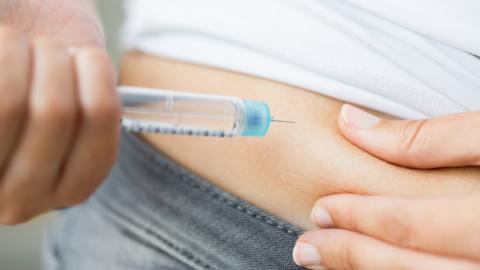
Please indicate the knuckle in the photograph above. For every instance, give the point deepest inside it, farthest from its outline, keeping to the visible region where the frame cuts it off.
(52, 113)
(95, 56)
(47, 46)
(44, 42)
(104, 113)
(93, 52)
(350, 254)
(413, 139)
(397, 227)
(351, 218)
(40, 42)
(98, 60)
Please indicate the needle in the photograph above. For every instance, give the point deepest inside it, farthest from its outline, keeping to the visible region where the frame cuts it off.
(282, 121)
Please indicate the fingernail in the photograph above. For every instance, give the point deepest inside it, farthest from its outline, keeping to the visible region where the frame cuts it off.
(354, 117)
(307, 255)
(321, 217)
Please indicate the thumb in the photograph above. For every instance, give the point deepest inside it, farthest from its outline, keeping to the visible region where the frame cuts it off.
(448, 141)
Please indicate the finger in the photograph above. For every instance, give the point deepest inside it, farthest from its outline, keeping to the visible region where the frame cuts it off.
(446, 226)
(96, 145)
(344, 250)
(36, 163)
(14, 84)
(447, 141)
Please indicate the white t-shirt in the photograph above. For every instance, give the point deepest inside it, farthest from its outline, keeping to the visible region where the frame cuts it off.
(408, 58)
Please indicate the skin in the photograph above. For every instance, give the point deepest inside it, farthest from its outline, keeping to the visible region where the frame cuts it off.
(364, 232)
(62, 114)
(59, 110)
(72, 22)
(296, 164)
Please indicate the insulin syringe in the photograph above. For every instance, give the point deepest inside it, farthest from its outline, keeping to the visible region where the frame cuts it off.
(171, 112)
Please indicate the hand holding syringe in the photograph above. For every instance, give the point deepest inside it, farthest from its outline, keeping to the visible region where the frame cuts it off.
(160, 111)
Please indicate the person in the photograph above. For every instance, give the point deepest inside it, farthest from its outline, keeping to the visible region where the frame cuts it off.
(203, 203)
(59, 108)
(438, 232)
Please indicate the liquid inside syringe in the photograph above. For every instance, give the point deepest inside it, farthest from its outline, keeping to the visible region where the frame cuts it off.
(171, 112)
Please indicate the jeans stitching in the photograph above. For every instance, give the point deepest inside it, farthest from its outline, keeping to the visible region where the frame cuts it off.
(170, 169)
(184, 252)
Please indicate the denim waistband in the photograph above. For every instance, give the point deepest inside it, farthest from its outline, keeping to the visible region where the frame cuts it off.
(154, 203)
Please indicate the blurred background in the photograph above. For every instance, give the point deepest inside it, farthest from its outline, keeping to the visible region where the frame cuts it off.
(21, 246)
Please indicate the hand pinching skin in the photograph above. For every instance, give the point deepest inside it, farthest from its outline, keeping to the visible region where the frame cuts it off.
(380, 232)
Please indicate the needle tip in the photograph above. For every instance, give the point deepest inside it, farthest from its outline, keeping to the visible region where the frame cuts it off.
(283, 121)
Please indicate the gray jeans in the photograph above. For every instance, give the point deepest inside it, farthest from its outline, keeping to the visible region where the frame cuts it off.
(153, 214)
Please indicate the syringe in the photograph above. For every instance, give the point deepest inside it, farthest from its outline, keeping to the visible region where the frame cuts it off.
(148, 110)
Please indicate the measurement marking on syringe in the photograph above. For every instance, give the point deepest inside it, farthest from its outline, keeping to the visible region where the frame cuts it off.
(152, 127)
(169, 114)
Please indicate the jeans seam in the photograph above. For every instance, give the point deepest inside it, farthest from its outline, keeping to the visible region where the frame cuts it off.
(182, 251)
(171, 169)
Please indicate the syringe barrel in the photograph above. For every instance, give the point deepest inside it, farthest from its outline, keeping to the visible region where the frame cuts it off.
(161, 111)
